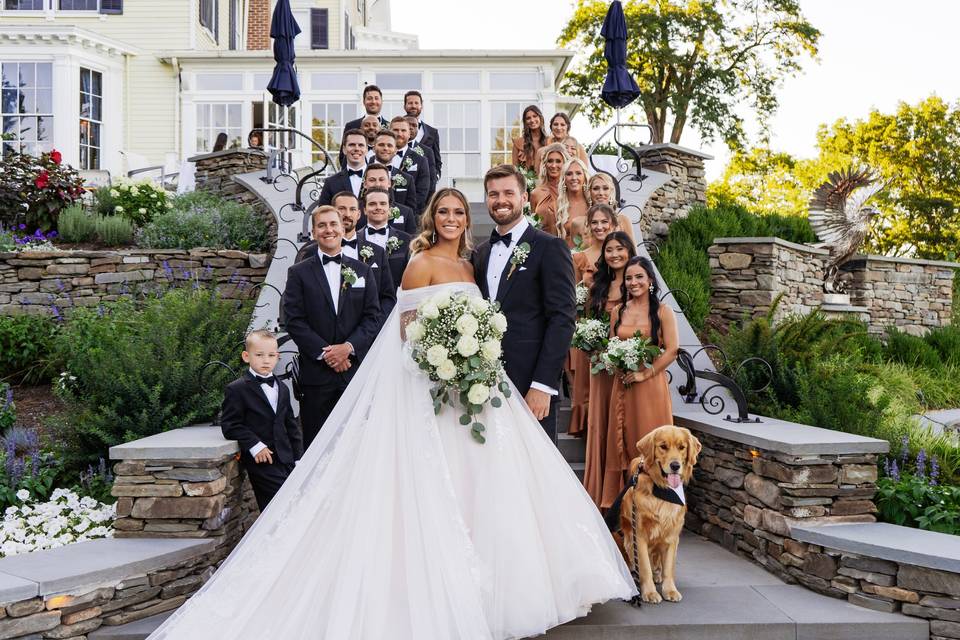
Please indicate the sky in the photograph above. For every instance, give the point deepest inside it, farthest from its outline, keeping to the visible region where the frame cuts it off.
(873, 55)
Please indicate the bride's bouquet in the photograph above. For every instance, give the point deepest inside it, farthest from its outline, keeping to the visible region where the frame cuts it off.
(456, 342)
(627, 355)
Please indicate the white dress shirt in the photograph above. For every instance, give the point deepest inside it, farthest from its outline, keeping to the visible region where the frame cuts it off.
(376, 238)
(356, 181)
(332, 271)
(499, 257)
(350, 252)
(272, 393)
(420, 132)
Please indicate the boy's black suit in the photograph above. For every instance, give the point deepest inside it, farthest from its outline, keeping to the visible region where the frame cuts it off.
(248, 418)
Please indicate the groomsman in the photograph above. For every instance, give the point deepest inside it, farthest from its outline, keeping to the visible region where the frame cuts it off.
(426, 135)
(350, 176)
(333, 315)
(377, 176)
(530, 274)
(427, 153)
(396, 244)
(372, 104)
(366, 252)
(403, 183)
(410, 161)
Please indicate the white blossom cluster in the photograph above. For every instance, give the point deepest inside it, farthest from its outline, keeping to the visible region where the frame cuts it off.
(66, 518)
(456, 341)
(627, 355)
(590, 334)
(582, 292)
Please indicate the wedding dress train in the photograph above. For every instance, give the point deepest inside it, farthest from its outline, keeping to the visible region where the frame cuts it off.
(397, 525)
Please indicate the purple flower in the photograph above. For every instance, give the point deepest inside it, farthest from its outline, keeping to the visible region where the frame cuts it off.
(100, 311)
(934, 470)
(167, 269)
(895, 471)
(921, 466)
(21, 226)
(904, 451)
(56, 313)
(59, 284)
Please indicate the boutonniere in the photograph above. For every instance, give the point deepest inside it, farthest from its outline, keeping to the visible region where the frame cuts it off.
(349, 277)
(417, 150)
(520, 254)
(366, 252)
(408, 162)
(393, 243)
(395, 214)
(399, 181)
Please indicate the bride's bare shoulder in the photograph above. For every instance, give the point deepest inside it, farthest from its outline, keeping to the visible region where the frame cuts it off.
(419, 272)
(426, 269)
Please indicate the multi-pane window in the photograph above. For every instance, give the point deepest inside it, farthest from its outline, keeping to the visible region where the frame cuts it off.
(209, 12)
(91, 118)
(235, 25)
(458, 124)
(391, 108)
(24, 5)
(26, 106)
(506, 123)
(327, 125)
(216, 118)
(79, 5)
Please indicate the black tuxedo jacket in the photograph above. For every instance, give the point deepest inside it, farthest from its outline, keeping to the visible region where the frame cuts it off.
(405, 194)
(432, 161)
(431, 139)
(420, 170)
(386, 285)
(540, 304)
(408, 224)
(333, 185)
(397, 259)
(248, 418)
(355, 124)
(313, 324)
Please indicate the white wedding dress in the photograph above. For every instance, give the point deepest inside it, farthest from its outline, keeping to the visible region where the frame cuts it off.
(397, 525)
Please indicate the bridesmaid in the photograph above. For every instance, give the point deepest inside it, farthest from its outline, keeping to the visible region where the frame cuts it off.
(534, 136)
(543, 200)
(601, 189)
(560, 131)
(602, 222)
(641, 399)
(606, 294)
(572, 203)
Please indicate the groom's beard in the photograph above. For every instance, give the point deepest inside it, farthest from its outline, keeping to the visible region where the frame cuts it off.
(514, 216)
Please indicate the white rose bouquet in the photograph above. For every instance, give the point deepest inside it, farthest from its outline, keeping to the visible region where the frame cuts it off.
(627, 355)
(456, 341)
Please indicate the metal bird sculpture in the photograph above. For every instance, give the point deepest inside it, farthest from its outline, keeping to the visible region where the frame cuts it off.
(841, 218)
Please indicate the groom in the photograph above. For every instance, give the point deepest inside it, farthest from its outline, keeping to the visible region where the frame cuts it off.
(530, 274)
(333, 315)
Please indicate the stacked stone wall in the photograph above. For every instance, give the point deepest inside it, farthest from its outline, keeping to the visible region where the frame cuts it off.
(686, 188)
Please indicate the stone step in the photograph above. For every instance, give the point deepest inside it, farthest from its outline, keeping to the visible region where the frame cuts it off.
(131, 631)
(578, 468)
(573, 449)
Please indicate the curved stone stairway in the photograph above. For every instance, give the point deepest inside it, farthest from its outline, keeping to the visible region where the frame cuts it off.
(725, 595)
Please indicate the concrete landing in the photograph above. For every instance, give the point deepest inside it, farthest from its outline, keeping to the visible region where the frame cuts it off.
(726, 597)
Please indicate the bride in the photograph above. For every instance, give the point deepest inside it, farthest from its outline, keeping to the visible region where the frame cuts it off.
(397, 524)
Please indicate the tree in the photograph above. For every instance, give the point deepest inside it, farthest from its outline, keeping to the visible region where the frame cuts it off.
(694, 60)
(765, 181)
(916, 151)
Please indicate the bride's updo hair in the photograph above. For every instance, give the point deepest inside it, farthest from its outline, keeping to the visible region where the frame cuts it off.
(428, 225)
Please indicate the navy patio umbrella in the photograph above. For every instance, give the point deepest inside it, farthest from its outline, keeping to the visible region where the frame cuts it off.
(619, 87)
(283, 85)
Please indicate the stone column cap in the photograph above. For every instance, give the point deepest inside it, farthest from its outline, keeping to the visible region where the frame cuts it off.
(201, 442)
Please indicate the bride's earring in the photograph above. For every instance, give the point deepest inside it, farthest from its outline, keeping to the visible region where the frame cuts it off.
(434, 239)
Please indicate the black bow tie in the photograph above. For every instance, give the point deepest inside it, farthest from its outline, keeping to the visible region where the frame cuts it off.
(496, 237)
(372, 232)
(355, 172)
(335, 258)
(266, 381)
(347, 243)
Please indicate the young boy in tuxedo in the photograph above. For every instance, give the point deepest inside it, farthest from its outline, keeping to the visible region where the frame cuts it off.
(256, 412)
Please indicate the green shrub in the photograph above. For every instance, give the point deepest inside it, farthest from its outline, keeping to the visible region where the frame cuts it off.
(76, 225)
(201, 219)
(946, 340)
(8, 410)
(138, 202)
(136, 369)
(114, 231)
(910, 350)
(26, 345)
(33, 191)
(683, 261)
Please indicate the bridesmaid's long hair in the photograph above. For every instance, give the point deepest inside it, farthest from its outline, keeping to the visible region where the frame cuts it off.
(563, 198)
(603, 278)
(428, 225)
(614, 189)
(652, 294)
(528, 135)
(553, 147)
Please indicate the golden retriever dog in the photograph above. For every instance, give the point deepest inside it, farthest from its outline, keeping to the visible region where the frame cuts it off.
(652, 513)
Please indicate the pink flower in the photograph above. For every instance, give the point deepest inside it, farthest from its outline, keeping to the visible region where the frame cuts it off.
(42, 180)
(56, 157)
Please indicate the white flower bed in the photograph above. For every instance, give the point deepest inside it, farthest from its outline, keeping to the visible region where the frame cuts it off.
(65, 519)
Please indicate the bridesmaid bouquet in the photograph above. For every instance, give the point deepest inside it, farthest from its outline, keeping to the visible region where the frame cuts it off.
(590, 335)
(456, 342)
(627, 355)
(582, 293)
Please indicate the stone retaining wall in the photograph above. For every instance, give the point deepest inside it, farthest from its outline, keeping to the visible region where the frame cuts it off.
(673, 200)
(51, 282)
(748, 274)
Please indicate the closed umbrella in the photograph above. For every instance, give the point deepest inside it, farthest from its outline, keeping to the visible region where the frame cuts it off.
(619, 87)
(283, 85)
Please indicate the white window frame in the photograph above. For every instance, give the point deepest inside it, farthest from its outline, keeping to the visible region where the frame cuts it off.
(332, 133)
(208, 133)
(92, 121)
(19, 143)
(210, 29)
(450, 151)
(496, 108)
